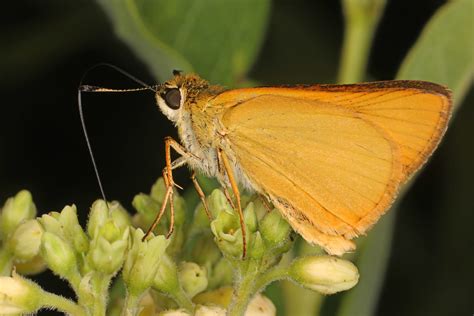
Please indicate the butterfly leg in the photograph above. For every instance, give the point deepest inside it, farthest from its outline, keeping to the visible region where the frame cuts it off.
(201, 195)
(229, 198)
(235, 189)
(169, 182)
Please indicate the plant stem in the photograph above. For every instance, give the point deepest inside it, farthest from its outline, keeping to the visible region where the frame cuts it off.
(130, 307)
(101, 286)
(244, 288)
(361, 19)
(277, 273)
(182, 300)
(62, 304)
(6, 262)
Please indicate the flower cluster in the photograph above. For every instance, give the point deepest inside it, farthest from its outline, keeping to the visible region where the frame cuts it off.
(112, 266)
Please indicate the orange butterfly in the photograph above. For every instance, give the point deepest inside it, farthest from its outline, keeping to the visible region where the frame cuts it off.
(330, 158)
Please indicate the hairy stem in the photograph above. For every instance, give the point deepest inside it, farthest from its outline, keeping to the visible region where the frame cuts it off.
(62, 304)
(6, 262)
(182, 300)
(244, 288)
(361, 19)
(130, 307)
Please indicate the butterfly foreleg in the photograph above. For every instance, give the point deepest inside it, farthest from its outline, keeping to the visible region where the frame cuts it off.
(169, 182)
(227, 172)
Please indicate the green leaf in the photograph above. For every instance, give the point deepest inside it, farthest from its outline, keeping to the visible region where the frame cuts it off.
(217, 39)
(444, 53)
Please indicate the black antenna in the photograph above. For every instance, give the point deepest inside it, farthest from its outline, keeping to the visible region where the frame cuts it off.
(88, 88)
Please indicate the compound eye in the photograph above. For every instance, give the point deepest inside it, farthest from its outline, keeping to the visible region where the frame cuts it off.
(172, 98)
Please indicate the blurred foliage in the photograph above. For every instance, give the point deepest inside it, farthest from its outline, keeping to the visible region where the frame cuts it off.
(217, 39)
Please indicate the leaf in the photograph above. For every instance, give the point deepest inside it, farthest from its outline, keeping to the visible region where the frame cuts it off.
(444, 53)
(217, 39)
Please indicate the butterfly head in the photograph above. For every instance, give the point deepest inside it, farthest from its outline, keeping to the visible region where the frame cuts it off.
(175, 96)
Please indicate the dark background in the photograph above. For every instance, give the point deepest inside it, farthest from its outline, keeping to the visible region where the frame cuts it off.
(46, 46)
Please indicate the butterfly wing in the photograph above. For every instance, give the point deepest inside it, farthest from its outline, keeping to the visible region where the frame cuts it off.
(330, 157)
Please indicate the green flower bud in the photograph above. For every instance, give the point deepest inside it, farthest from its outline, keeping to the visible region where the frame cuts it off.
(72, 230)
(200, 221)
(16, 210)
(192, 277)
(250, 218)
(97, 217)
(119, 215)
(26, 240)
(226, 228)
(166, 278)
(324, 274)
(257, 246)
(218, 203)
(58, 254)
(19, 296)
(158, 190)
(142, 262)
(107, 251)
(66, 226)
(51, 224)
(275, 229)
(146, 206)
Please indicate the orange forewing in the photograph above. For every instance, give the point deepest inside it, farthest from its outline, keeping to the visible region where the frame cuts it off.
(332, 157)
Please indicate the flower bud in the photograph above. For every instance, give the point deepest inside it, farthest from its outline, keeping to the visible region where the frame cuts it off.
(97, 217)
(158, 190)
(192, 277)
(72, 230)
(119, 215)
(142, 262)
(324, 274)
(257, 246)
(146, 206)
(31, 267)
(166, 278)
(275, 229)
(220, 297)
(218, 203)
(107, 252)
(18, 295)
(227, 233)
(51, 224)
(26, 240)
(16, 210)
(250, 218)
(203, 310)
(58, 254)
(260, 305)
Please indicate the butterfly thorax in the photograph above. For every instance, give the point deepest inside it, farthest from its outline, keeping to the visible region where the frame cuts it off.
(195, 121)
